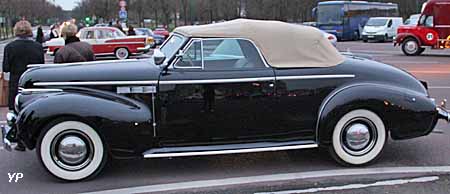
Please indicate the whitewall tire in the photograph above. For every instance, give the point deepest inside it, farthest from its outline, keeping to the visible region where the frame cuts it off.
(358, 138)
(71, 150)
(122, 53)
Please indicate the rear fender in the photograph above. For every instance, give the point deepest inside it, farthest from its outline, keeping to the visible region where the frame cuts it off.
(405, 113)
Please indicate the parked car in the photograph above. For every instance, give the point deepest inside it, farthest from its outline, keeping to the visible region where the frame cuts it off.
(381, 28)
(107, 41)
(432, 31)
(331, 37)
(212, 91)
(162, 31)
(159, 39)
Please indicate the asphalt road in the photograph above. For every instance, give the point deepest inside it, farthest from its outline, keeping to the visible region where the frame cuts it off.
(433, 150)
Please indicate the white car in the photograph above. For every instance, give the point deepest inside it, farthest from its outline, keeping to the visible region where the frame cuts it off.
(381, 28)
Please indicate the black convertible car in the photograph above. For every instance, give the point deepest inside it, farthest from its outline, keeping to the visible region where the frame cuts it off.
(234, 87)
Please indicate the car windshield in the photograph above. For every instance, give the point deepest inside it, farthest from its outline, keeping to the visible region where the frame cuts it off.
(376, 22)
(171, 46)
(413, 20)
(143, 31)
(329, 14)
(119, 33)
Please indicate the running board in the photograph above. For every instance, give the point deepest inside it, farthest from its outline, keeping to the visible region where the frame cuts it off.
(226, 149)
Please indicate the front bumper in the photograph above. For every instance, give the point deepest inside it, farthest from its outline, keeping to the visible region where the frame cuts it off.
(7, 131)
(376, 37)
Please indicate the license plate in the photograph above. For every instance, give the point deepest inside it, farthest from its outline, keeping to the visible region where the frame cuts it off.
(371, 36)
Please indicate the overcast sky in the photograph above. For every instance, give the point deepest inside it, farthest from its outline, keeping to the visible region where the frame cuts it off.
(67, 4)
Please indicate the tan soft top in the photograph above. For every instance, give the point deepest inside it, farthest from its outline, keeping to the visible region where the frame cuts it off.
(283, 45)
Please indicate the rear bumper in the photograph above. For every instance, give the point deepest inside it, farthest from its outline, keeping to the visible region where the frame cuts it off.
(443, 114)
(145, 49)
(4, 141)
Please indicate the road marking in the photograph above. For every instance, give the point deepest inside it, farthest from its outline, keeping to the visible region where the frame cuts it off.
(359, 186)
(275, 177)
(431, 72)
(439, 87)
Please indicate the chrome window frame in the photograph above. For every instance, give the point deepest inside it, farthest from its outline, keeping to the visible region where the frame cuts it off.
(183, 50)
(173, 66)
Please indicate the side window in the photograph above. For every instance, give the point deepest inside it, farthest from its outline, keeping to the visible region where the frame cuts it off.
(230, 54)
(108, 34)
(192, 57)
(89, 34)
(99, 34)
(429, 21)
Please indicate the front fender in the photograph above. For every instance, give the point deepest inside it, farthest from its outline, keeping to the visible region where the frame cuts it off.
(403, 36)
(120, 121)
(405, 113)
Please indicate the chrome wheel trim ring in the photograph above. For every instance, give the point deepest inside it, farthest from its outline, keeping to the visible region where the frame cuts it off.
(66, 156)
(411, 47)
(122, 53)
(358, 136)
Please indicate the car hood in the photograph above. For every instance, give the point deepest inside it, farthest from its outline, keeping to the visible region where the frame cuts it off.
(374, 28)
(99, 71)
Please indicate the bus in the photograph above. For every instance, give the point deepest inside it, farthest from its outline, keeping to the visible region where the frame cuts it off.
(346, 19)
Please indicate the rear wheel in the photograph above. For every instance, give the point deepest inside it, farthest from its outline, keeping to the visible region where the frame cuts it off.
(122, 53)
(358, 138)
(71, 150)
(410, 47)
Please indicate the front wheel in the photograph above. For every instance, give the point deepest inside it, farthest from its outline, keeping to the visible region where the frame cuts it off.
(71, 150)
(358, 138)
(410, 47)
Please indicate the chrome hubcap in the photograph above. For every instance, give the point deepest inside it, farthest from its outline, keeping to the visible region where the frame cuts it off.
(72, 150)
(411, 46)
(359, 136)
(122, 53)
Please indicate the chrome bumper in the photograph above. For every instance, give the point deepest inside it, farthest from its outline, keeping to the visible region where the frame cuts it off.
(443, 114)
(5, 142)
(145, 49)
(6, 129)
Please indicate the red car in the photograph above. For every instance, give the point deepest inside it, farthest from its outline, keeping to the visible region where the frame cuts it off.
(161, 31)
(107, 41)
(431, 31)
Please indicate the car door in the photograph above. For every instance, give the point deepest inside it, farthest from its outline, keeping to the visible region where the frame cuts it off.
(218, 91)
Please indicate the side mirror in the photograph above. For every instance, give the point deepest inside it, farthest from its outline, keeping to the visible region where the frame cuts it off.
(179, 54)
(159, 57)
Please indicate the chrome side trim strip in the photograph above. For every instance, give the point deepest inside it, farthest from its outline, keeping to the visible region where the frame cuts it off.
(206, 81)
(39, 90)
(316, 77)
(79, 63)
(239, 151)
(152, 82)
(213, 81)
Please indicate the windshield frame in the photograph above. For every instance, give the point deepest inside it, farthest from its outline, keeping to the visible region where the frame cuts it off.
(339, 9)
(176, 48)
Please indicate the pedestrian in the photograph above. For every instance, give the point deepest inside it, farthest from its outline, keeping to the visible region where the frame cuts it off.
(40, 35)
(54, 32)
(131, 31)
(74, 50)
(119, 26)
(17, 55)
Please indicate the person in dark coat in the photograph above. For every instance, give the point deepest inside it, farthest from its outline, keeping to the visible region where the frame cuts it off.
(131, 31)
(17, 55)
(40, 35)
(74, 50)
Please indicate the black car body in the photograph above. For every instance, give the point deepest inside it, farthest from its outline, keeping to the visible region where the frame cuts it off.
(160, 107)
